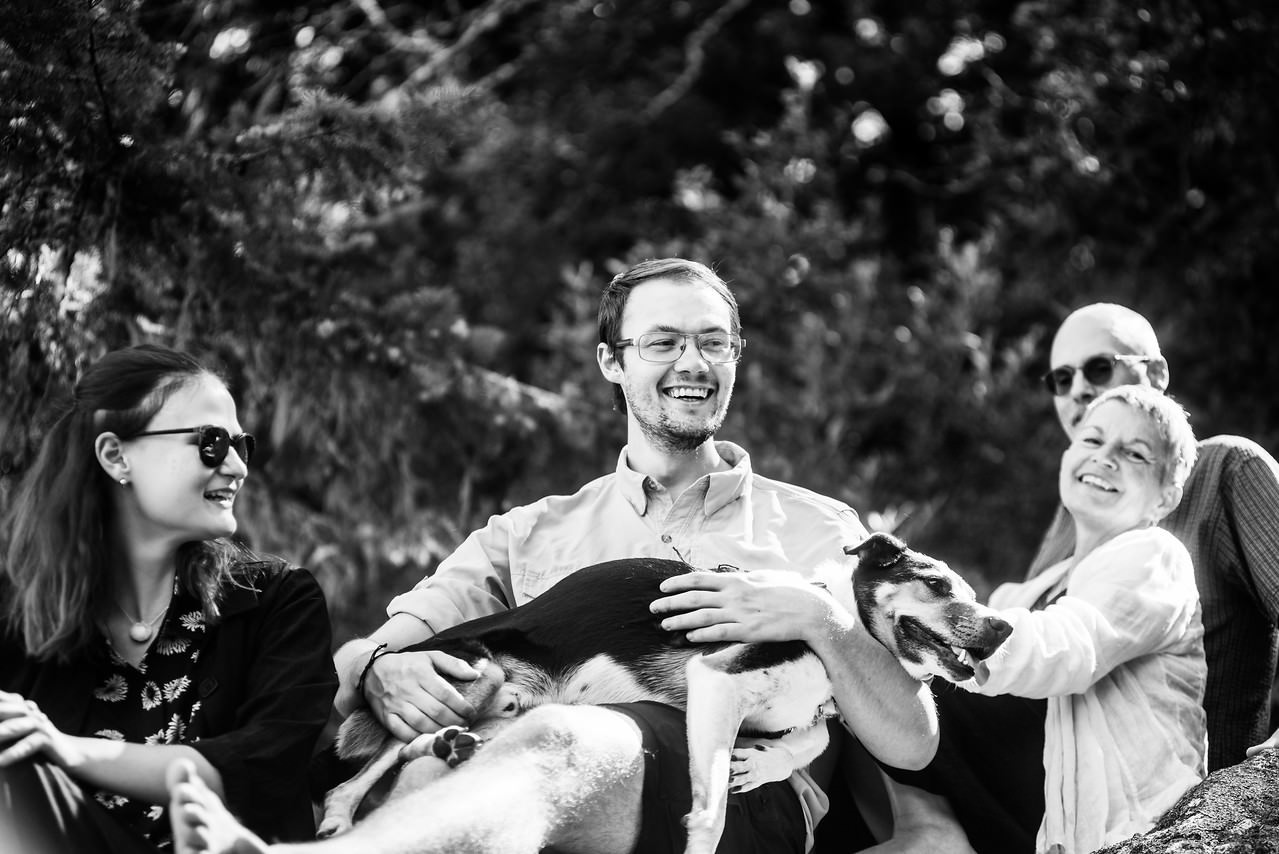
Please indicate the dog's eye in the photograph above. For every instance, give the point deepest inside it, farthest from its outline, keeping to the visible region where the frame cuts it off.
(937, 585)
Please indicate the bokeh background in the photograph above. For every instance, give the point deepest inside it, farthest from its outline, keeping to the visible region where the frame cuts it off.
(389, 222)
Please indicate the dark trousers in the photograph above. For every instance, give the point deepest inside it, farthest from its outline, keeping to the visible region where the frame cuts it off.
(990, 766)
(44, 811)
(767, 820)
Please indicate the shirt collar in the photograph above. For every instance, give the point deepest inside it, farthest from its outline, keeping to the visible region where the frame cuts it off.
(724, 487)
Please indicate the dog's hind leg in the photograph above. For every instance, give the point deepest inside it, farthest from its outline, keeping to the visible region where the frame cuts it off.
(343, 800)
(714, 716)
(427, 758)
(362, 735)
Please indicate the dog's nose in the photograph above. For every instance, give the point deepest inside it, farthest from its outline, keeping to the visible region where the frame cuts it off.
(998, 627)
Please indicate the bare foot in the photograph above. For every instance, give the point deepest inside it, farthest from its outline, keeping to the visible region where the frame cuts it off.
(200, 821)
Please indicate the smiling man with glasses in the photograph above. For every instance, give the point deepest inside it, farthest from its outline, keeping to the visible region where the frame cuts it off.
(1228, 519)
(669, 342)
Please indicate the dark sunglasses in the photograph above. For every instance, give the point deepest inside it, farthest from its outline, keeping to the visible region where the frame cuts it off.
(214, 443)
(1097, 370)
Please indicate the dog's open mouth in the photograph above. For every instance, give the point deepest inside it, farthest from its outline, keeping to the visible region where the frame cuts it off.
(916, 642)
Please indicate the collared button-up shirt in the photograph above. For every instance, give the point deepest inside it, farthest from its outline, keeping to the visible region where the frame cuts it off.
(731, 517)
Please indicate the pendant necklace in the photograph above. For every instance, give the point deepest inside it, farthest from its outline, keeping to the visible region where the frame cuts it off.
(142, 631)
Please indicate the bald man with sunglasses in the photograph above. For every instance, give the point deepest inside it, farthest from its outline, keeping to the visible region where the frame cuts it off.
(1228, 519)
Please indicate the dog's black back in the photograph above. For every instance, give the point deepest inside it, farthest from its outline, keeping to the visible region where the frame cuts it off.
(599, 610)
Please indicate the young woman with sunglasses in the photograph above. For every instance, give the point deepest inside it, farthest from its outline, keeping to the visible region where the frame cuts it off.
(133, 632)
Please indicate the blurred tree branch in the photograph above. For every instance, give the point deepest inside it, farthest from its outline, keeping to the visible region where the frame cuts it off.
(694, 58)
(419, 42)
(482, 21)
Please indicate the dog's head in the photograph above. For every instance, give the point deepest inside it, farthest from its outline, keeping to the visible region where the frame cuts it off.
(922, 611)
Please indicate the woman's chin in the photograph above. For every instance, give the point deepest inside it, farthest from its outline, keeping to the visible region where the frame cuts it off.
(223, 525)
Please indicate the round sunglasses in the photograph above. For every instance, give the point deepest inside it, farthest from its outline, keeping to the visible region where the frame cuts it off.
(214, 443)
(1097, 370)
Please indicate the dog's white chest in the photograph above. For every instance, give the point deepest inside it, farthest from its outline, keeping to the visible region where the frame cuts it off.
(786, 697)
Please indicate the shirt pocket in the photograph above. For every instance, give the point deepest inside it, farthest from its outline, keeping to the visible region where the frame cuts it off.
(531, 582)
(532, 578)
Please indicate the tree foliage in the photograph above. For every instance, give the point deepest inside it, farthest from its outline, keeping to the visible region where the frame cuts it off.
(390, 221)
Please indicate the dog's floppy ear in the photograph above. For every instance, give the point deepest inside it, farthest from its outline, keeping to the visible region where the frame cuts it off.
(879, 549)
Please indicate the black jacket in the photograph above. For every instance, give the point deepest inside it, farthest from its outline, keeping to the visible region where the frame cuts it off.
(266, 684)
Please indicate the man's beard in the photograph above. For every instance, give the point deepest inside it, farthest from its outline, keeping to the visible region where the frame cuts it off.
(676, 439)
(673, 437)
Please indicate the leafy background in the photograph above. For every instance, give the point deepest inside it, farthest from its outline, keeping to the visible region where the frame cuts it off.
(390, 221)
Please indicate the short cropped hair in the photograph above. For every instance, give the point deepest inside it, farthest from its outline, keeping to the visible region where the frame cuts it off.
(618, 291)
(1177, 445)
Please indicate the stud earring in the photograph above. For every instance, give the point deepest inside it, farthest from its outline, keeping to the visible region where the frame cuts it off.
(124, 481)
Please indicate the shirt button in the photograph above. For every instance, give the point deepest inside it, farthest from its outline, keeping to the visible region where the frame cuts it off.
(666, 538)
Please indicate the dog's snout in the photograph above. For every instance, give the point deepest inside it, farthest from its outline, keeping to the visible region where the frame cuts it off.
(998, 627)
(993, 631)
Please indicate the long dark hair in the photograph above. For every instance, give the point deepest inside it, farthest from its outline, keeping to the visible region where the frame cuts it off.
(60, 547)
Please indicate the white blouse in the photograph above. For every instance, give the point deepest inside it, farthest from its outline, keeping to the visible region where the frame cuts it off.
(1120, 658)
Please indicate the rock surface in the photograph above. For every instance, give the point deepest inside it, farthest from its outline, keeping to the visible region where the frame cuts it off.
(1234, 811)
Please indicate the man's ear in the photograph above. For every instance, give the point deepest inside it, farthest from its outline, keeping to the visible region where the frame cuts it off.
(1157, 370)
(108, 449)
(610, 367)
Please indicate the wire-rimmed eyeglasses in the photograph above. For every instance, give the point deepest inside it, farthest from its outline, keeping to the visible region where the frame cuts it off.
(717, 348)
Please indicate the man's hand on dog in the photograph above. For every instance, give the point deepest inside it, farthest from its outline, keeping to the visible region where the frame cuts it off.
(410, 694)
(755, 606)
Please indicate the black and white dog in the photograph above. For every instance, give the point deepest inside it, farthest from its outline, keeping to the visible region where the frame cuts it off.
(592, 639)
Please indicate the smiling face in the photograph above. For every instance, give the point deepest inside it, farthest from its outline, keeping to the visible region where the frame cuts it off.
(1112, 476)
(677, 406)
(173, 497)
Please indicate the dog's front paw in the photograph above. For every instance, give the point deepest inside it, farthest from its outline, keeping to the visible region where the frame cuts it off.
(455, 745)
(757, 764)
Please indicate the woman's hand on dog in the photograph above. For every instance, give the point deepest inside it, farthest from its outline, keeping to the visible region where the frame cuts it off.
(410, 692)
(756, 606)
(755, 762)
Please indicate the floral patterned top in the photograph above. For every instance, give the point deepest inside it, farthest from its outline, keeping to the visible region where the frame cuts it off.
(150, 704)
(259, 692)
